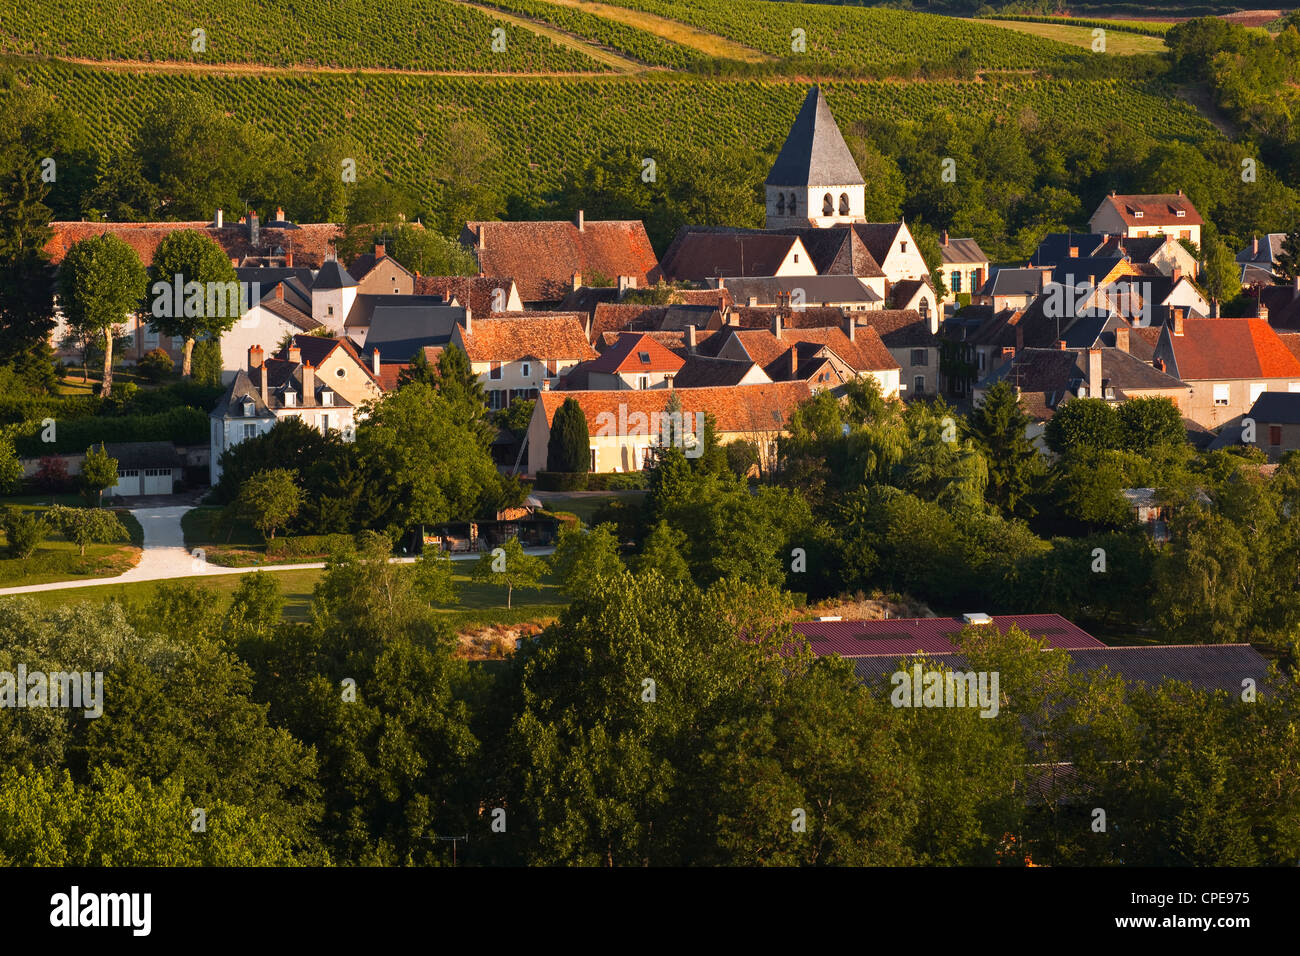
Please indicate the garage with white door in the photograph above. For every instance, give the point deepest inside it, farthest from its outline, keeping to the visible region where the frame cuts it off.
(146, 468)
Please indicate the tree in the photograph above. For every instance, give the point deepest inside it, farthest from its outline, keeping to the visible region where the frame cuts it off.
(583, 555)
(516, 417)
(11, 468)
(1149, 423)
(255, 607)
(102, 281)
(1288, 257)
(1220, 275)
(467, 178)
(664, 551)
(192, 262)
(459, 383)
(1083, 423)
(418, 370)
(155, 365)
(510, 567)
(270, 499)
(427, 253)
(98, 471)
(568, 449)
(83, 526)
(206, 368)
(998, 426)
(24, 531)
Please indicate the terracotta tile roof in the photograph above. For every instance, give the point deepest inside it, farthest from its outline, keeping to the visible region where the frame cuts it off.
(760, 317)
(837, 250)
(961, 251)
(611, 317)
(586, 298)
(718, 298)
(1158, 209)
(697, 256)
(674, 341)
(744, 408)
(543, 256)
(473, 291)
(626, 355)
(866, 354)
(388, 371)
(312, 243)
(701, 371)
(1292, 341)
(315, 349)
(538, 337)
(1228, 349)
(898, 328)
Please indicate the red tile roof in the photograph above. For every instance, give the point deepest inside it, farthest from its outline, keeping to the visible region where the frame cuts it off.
(867, 353)
(703, 255)
(311, 243)
(624, 356)
(536, 337)
(543, 256)
(742, 408)
(1229, 349)
(475, 292)
(1158, 209)
(934, 635)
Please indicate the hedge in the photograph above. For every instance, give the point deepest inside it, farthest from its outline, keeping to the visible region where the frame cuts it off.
(581, 481)
(309, 545)
(561, 481)
(185, 426)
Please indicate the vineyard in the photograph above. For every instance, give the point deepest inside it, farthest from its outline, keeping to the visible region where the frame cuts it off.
(398, 34)
(547, 124)
(1145, 27)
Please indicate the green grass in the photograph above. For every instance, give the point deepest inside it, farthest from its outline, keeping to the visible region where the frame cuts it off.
(196, 526)
(586, 506)
(59, 560)
(1118, 42)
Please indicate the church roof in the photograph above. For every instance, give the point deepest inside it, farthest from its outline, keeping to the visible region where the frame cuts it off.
(815, 153)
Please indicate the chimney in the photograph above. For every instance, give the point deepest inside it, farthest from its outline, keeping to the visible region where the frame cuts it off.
(577, 281)
(1060, 344)
(295, 354)
(1177, 274)
(220, 219)
(579, 222)
(1261, 308)
(794, 363)
(752, 302)
(254, 230)
(469, 320)
(1178, 321)
(1074, 252)
(1121, 338)
(945, 237)
(254, 356)
(380, 251)
(1020, 337)
(690, 339)
(482, 237)
(625, 283)
(279, 214)
(776, 324)
(851, 327)
(1094, 374)
(308, 384)
(266, 394)
(374, 362)
(1295, 283)
(279, 291)
(1254, 242)
(288, 259)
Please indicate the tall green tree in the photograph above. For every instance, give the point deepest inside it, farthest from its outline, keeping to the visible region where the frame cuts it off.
(998, 426)
(98, 472)
(568, 448)
(186, 256)
(101, 281)
(510, 567)
(270, 499)
(1288, 257)
(83, 526)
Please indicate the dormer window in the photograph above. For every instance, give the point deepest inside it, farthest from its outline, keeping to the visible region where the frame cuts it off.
(326, 397)
(1137, 214)
(1180, 213)
(290, 398)
(249, 409)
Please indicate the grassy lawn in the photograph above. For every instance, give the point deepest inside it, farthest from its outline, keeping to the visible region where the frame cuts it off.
(59, 560)
(586, 505)
(478, 603)
(1117, 41)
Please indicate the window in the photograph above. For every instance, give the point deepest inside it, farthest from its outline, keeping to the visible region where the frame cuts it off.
(250, 431)
(793, 205)
(552, 368)
(925, 307)
(496, 398)
(1138, 214)
(290, 399)
(326, 397)
(1181, 213)
(844, 204)
(796, 257)
(494, 370)
(981, 362)
(918, 385)
(902, 247)
(645, 382)
(329, 310)
(1275, 434)
(956, 282)
(324, 423)
(780, 204)
(644, 357)
(828, 205)
(920, 357)
(341, 372)
(1257, 389)
(1221, 395)
(593, 460)
(528, 369)
(249, 409)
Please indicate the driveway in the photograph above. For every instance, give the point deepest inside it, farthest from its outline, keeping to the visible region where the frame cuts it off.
(164, 556)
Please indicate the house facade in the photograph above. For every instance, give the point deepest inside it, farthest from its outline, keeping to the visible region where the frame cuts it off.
(1139, 216)
(522, 356)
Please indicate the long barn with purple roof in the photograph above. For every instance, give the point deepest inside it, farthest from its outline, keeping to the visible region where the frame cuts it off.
(933, 635)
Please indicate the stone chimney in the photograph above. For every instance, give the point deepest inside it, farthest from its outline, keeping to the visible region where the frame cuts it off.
(279, 291)
(380, 251)
(1177, 274)
(279, 214)
(752, 302)
(374, 362)
(266, 391)
(1121, 338)
(1060, 344)
(1261, 309)
(690, 339)
(295, 354)
(254, 356)
(220, 219)
(776, 324)
(254, 230)
(576, 281)
(288, 258)
(1178, 321)
(482, 237)
(1094, 374)
(469, 321)
(1074, 252)
(308, 384)
(579, 222)
(1254, 242)
(851, 327)
(945, 237)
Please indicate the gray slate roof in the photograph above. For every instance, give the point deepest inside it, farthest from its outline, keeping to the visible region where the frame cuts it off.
(961, 251)
(399, 331)
(145, 454)
(816, 289)
(333, 276)
(1277, 408)
(815, 153)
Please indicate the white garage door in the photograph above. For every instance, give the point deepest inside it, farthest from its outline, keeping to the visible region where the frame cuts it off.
(128, 483)
(157, 481)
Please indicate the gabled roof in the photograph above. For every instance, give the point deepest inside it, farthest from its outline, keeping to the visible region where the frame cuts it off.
(1283, 304)
(536, 338)
(365, 263)
(814, 154)
(311, 242)
(1055, 247)
(1142, 249)
(1157, 209)
(898, 328)
(315, 349)
(145, 454)
(398, 331)
(472, 292)
(878, 237)
(895, 637)
(543, 256)
(332, 275)
(241, 390)
(586, 298)
(1263, 252)
(865, 354)
(636, 352)
(761, 316)
(696, 256)
(701, 371)
(1277, 408)
(905, 289)
(814, 289)
(1092, 270)
(673, 341)
(1014, 282)
(962, 251)
(1220, 349)
(1292, 341)
(837, 250)
(744, 408)
(290, 313)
